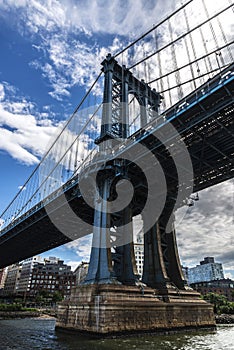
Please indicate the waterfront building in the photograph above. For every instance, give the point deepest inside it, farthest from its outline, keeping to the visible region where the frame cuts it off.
(223, 286)
(52, 260)
(3, 274)
(51, 276)
(26, 274)
(81, 272)
(12, 279)
(208, 270)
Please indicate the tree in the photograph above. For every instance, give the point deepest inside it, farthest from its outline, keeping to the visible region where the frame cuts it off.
(218, 300)
(57, 296)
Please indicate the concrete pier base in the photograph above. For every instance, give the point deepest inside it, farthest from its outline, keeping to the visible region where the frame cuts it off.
(117, 309)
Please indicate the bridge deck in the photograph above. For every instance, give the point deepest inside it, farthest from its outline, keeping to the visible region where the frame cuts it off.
(204, 120)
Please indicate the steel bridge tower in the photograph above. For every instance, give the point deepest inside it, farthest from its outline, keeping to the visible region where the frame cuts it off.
(162, 269)
(112, 299)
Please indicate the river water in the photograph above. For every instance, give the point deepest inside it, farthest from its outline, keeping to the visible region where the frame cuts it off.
(30, 334)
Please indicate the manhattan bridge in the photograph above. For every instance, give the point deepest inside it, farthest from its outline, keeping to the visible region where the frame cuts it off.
(162, 131)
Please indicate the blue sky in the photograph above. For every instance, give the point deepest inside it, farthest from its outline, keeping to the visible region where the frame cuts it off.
(50, 54)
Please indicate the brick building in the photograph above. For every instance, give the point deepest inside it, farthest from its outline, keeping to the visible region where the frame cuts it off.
(223, 286)
(35, 274)
(52, 276)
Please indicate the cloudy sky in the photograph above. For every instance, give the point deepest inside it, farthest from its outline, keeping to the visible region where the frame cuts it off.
(50, 54)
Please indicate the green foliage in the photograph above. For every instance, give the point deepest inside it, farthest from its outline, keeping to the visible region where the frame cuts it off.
(31, 309)
(45, 294)
(57, 296)
(227, 309)
(43, 297)
(15, 307)
(220, 302)
(11, 307)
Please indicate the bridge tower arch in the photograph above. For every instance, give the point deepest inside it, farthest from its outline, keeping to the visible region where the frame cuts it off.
(161, 261)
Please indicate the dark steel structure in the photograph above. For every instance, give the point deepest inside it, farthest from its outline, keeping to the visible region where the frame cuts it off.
(204, 121)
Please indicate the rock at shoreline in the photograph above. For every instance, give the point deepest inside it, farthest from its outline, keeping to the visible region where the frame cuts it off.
(224, 319)
(18, 314)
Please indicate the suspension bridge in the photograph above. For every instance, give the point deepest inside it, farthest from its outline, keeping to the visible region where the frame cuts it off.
(166, 89)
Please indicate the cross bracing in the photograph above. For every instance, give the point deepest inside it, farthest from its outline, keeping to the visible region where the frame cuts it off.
(197, 99)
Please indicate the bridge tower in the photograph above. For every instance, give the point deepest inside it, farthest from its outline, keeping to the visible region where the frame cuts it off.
(111, 299)
(162, 268)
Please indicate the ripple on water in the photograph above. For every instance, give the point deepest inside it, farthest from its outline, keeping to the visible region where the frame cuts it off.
(28, 334)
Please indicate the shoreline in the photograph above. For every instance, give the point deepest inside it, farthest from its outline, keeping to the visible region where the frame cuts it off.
(224, 319)
(6, 315)
(220, 319)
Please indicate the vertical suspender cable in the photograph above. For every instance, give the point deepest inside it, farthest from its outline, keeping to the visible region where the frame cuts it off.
(144, 63)
(212, 30)
(208, 69)
(225, 40)
(192, 44)
(169, 90)
(187, 49)
(159, 66)
(177, 73)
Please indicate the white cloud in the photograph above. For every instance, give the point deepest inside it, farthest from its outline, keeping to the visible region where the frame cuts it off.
(207, 228)
(71, 63)
(82, 247)
(23, 188)
(22, 133)
(113, 17)
(2, 92)
(69, 53)
(72, 263)
(9, 144)
(229, 274)
(62, 32)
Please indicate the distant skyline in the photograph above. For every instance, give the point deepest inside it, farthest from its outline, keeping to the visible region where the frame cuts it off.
(50, 54)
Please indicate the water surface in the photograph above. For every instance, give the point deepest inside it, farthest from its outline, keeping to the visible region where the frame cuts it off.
(30, 334)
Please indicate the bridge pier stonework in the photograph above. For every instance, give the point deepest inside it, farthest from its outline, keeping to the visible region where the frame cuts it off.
(112, 300)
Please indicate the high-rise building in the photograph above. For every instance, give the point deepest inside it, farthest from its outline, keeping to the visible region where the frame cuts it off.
(138, 243)
(26, 274)
(50, 276)
(12, 279)
(35, 274)
(208, 270)
(3, 274)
